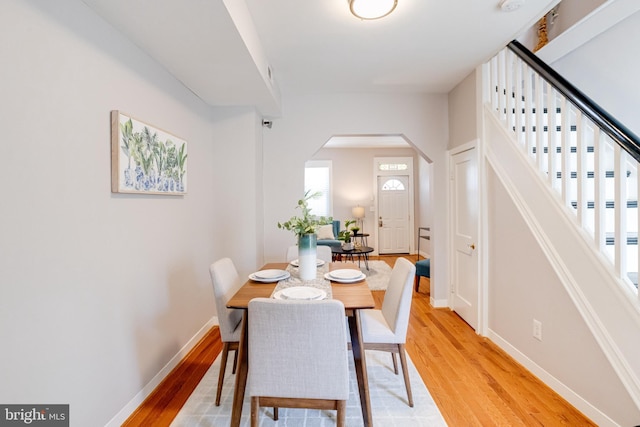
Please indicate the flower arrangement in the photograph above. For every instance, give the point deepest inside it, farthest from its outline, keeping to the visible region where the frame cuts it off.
(307, 223)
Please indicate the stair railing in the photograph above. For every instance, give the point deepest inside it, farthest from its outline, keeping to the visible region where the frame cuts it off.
(587, 157)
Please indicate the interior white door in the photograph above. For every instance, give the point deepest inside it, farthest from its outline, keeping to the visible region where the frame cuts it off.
(393, 214)
(465, 231)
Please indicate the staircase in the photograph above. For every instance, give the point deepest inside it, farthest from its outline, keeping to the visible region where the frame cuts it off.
(570, 167)
(594, 176)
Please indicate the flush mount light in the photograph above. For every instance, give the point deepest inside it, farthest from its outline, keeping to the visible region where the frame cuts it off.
(511, 5)
(372, 9)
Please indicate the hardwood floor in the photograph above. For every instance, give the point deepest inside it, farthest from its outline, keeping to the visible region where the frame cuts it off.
(472, 381)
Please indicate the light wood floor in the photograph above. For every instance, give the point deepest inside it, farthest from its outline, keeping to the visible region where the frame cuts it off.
(472, 381)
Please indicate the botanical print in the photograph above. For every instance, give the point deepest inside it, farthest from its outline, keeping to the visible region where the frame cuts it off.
(145, 159)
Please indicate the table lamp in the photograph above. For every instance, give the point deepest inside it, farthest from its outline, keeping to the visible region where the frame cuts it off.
(358, 214)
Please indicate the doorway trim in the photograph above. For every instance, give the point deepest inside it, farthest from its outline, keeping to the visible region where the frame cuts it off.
(482, 315)
(377, 161)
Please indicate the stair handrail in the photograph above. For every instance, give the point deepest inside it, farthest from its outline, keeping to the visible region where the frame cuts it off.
(619, 133)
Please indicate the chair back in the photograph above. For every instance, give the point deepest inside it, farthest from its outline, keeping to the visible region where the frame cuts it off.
(322, 252)
(292, 253)
(298, 349)
(396, 305)
(226, 283)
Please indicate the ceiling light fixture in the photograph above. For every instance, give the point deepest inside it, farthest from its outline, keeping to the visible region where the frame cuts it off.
(372, 9)
(511, 5)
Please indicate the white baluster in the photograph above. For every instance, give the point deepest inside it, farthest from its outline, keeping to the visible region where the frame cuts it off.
(620, 207)
(599, 195)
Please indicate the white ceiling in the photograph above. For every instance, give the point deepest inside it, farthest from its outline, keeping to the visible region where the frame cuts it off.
(423, 46)
(224, 50)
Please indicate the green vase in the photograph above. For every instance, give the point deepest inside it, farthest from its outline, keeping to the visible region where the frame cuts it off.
(307, 248)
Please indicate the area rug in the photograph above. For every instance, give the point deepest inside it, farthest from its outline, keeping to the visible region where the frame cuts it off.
(388, 401)
(377, 275)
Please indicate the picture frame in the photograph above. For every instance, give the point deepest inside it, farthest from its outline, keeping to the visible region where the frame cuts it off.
(146, 159)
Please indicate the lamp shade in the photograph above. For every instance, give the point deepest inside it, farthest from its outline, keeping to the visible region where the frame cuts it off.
(372, 9)
(358, 212)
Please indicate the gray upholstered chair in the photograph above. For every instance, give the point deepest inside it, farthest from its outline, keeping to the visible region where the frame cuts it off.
(226, 283)
(322, 252)
(297, 356)
(386, 329)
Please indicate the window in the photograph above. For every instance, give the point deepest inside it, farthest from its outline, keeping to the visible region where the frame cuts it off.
(393, 167)
(393, 185)
(317, 177)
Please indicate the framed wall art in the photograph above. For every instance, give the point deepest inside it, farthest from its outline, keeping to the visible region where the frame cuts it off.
(145, 159)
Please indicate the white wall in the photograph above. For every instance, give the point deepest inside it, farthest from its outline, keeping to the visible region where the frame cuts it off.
(99, 291)
(463, 123)
(424, 204)
(605, 69)
(310, 120)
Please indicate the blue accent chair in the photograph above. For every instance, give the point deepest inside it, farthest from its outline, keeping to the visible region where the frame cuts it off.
(332, 242)
(423, 268)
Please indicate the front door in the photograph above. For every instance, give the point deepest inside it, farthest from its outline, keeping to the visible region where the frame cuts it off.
(393, 214)
(464, 196)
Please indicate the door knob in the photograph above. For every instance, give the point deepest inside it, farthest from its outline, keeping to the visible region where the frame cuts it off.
(472, 246)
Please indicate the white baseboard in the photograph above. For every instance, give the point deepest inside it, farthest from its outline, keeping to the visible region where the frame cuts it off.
(439, 303)
(424, 254)
(130, 407)
(556, 385)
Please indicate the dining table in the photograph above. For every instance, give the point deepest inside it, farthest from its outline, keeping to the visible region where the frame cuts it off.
(355, 297)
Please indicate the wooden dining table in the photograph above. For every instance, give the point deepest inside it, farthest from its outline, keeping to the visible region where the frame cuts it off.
(354, 296)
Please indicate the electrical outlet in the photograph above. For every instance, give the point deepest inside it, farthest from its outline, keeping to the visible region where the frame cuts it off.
(537, 329)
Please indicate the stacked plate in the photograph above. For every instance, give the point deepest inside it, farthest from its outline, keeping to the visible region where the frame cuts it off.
(301, 293)
(296, 263)
(269, 276)
(345, 275)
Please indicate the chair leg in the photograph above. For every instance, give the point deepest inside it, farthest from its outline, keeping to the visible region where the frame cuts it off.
(395, 363)
(235, 361)
(405, 372)
(275, 413)
(255, 411)
(223, 367)
(417, 282)
(341, 416)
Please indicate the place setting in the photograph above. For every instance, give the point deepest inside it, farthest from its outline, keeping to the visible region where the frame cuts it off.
(269, 275)
(301, 293)
(296, 262)
(345, 275)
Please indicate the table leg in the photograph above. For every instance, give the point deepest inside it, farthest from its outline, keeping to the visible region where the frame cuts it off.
(241, 373)
(359, 359)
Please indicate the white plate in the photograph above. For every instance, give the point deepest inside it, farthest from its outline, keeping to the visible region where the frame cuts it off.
(270, 274)
(300, 293)
(329, 277)
(296, 263)
(253, 276)
(345, 274)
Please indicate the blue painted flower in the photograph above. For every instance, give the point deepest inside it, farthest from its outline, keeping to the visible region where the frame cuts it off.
(128, 180)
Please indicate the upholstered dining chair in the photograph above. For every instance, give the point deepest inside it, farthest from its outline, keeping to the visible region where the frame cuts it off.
(297, 356)
(226, 283)
(386, 329)
(322, 252)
